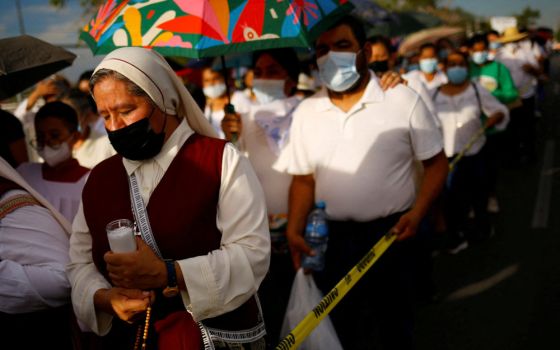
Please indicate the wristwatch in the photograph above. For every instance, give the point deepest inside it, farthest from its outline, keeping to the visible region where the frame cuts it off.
(172, 288)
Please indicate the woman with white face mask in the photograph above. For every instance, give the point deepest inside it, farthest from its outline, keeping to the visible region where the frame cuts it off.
(460, 105)
(60, 179)
(262, 138)
(215, 90)
(428, 74)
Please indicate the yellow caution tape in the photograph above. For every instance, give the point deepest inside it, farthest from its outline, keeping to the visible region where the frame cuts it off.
(467, 147)
(325, 306)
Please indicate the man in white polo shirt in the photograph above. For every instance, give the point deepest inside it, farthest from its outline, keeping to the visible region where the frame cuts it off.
(352, 145)
(524, 69)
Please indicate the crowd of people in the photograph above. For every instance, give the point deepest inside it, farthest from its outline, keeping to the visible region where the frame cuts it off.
(220, 187)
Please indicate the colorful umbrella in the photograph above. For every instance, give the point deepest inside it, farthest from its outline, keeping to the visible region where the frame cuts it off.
(206, 28)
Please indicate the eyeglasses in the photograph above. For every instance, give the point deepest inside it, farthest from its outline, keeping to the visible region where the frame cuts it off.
(53, 142)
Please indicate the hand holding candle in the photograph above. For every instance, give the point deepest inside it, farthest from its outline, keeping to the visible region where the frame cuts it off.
(120, 234)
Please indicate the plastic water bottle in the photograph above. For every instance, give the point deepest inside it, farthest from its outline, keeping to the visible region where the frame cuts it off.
(316, 237)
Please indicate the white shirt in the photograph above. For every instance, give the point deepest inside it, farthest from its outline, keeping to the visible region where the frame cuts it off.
(216, 283)
(263, 155)
(417, 75)
(514, 57)
(27, 118)
(241, 103)
(33, 255)
(95, 149)
(420, 89)
(64, 196)
(362, 160)
(460, 118)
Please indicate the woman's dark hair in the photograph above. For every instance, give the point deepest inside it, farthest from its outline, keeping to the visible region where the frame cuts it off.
(285, 57)
(82, 102)
(381, 40)
(427, 46)
(61, 111)
(478, 38)
(456, 52)
(85, 75)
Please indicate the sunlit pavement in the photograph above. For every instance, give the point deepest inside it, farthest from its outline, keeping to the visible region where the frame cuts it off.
(504, 293)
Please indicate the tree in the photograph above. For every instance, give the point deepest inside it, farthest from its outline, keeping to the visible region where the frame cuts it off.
(88, 5)
(408, 4)
(528, 17)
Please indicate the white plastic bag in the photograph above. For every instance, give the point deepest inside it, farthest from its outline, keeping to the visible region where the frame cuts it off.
(303, 298)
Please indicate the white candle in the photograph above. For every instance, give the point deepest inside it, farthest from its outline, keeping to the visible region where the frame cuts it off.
(121, 240)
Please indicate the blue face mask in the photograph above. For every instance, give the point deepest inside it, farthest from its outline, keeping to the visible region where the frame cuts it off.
(480, 57)
(457, 75)
(428, 65)
(268, 90)
(443, 53)
(494, 45)
(413, 67)
(338, 70)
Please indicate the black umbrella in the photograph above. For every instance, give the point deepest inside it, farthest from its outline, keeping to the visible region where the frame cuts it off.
(25, 60)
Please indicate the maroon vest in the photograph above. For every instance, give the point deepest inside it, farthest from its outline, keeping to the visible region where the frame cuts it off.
(182, 211)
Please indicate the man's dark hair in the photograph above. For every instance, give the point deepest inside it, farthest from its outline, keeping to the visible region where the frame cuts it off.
(456, 52)
(427, 46)
(86, 75)
(381, 40)
(61, 111)
(495, 32)
(285, 57)
(478, 38)
(81, 102)
(356, 25)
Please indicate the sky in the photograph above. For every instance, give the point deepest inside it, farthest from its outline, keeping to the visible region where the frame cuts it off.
(61, 26)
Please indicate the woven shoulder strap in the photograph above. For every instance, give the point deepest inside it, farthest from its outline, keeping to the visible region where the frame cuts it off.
(13, 203)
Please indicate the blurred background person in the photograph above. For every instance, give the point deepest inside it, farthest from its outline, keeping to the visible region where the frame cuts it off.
(83, 81)
(248, 83)
(60, 179)
(12, 139)
(382, 61)
(495, 78)
(493, 44)
(429, 74)
(524, 69)
(215, 90)
(459, 105)
(34, 291)
(92, 145)
(444, 47)
(48, 90)
(264, 134)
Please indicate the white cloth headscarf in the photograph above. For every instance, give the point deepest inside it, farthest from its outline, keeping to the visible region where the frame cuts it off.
(150, 71)
(6, 171)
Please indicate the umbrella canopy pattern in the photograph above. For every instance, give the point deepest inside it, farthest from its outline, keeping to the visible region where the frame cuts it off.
(25, 60)
(414, 41)
(206, 28)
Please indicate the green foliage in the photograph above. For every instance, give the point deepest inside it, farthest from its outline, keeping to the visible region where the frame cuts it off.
(88, 5)
(528, 17)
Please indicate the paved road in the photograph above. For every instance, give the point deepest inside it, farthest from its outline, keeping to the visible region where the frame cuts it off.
(505, 293)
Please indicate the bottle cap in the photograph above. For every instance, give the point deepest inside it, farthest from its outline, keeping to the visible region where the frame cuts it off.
(321, 205)
(229, 108)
